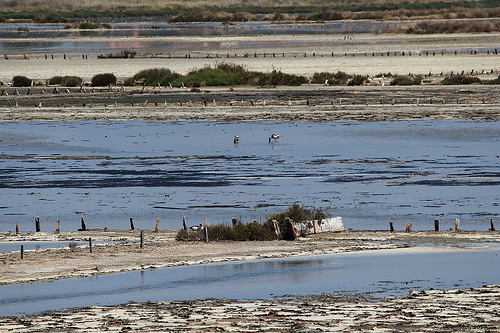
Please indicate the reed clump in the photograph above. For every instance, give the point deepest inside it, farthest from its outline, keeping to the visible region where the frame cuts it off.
(461, 79)
(404, 80)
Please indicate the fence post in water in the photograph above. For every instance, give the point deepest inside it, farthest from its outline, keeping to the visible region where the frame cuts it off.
(436, 225)
(492, 226)
(391, 225)
(37, 224)
(58, 227)
(457, 224)
(142, 238)
(17, 227)
(157, 227)
(90, 244)
(132, 224)
(408, 227)
(22, 251)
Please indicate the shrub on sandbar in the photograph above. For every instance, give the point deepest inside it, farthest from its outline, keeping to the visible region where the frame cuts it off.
(21, 81)
(100, 80)
(68, 81)
(153, 77)
(461, 79)
(402, 80)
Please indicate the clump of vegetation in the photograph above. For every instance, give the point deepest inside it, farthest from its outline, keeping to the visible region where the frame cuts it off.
(153, 77)
(21, 81)
(327, 15)
(253, 231)
(357, 80)
(212, 16)
(298, 213)
(222, 75)
(338, 78)
(68, 81)
(461, 79)
(105, 79)
(403, 80)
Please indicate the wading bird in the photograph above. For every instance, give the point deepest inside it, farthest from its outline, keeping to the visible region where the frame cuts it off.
(274, 137)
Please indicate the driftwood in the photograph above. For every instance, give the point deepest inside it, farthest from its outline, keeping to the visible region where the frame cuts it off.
(333, 224)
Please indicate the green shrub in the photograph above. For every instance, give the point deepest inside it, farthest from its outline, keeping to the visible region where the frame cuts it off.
(402, 80)
(153, 76)
(296, 213)
(333, 78)
(253, 231)
(357, 80)
(68, 81)
(88, 25)
(461, 79)
(278, 78)
(100, 80)
(21, 81)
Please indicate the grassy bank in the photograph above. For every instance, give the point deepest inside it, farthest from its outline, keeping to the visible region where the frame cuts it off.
(238, 10)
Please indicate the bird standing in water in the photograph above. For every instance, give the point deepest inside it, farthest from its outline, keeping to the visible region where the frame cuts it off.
(274, 137)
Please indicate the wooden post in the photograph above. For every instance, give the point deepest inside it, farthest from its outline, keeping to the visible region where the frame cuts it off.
(58, 227)
(17, 228)
(90, 244)
(157, 228)
(184, 224)
(132, 224)
(206, 233)
(436, 225)
(408, 227)
(207, 223)
(142, 238)
(84, 227)
(22, 251)
(457, 224)
(277, 230)
(37, 224)
(492, 226)
(391, 225)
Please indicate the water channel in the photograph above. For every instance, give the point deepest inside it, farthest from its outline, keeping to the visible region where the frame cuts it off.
(375, 273)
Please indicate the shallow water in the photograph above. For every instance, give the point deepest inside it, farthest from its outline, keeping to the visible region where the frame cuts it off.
(367, 173)
(379, 273)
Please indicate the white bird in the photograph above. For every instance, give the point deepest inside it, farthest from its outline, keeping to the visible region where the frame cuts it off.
(236, 139)
(274, 137)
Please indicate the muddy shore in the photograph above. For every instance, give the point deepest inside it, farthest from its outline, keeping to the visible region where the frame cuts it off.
(306, 103)
(459, 310)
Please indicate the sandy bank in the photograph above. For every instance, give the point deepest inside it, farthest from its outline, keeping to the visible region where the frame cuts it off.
(161, 250)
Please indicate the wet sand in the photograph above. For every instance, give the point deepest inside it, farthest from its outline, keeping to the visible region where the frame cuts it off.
(458, 310)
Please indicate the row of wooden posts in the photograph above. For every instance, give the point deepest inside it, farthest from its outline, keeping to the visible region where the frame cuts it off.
(207, 222)
(264, 103)
(293, 55)
(436, 225)
(83, 225)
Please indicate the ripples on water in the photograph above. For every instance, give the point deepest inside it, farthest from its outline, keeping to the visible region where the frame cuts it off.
(368, 173)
